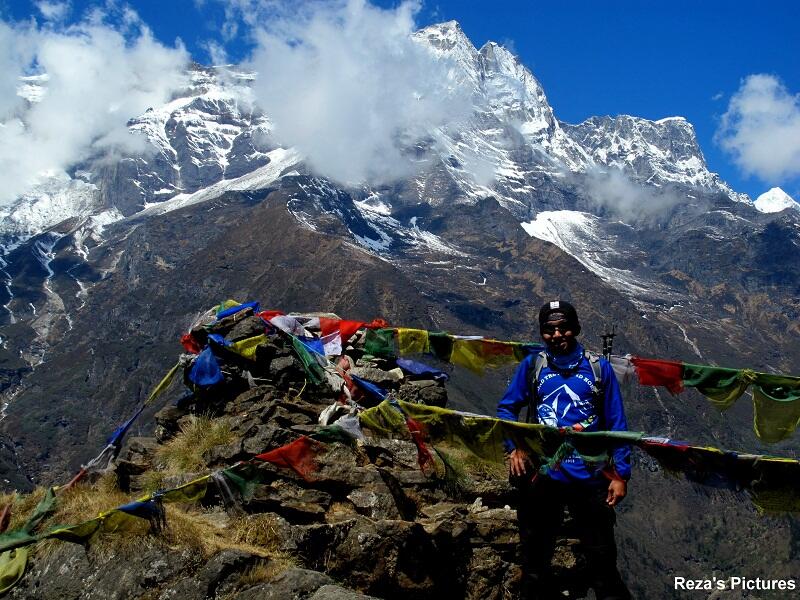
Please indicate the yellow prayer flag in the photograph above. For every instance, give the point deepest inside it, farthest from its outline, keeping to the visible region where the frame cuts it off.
(247, 347)
(412, 341)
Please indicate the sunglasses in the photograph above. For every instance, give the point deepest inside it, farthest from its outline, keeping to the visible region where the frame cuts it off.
(549, 329)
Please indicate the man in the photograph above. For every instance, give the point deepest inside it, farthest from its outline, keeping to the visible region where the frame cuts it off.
(566, 393)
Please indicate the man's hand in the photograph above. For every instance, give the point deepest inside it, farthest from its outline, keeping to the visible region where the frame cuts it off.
(518, 462)
(616, 491)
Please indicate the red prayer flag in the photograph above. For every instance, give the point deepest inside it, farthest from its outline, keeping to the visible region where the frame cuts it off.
(667, 373)
(345, 328)
(5, 518)
(424, 456)
(299, 456)
(496, 348)
(377, 324)
(269, 314)
(190, 344)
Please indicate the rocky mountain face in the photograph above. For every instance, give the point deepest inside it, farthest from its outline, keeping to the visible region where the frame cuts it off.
(105, 267)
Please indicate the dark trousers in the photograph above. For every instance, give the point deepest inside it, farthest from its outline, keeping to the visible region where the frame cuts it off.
(541, 513)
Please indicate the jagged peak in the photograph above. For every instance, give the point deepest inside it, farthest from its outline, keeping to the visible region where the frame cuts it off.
(641, 124)
(498, 50)
(679, 121)
(451, 25)
(446, 36)
(676, 119)
(497, 58)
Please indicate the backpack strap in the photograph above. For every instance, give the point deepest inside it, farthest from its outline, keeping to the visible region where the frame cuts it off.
(533, 385)
(594, 363)
(598, 391)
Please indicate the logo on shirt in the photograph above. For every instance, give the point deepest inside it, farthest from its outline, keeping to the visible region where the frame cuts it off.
(563, 407)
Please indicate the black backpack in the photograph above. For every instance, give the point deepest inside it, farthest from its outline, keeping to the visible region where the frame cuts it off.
(597, 388)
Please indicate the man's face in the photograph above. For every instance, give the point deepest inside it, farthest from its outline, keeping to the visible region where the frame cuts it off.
(559, 336)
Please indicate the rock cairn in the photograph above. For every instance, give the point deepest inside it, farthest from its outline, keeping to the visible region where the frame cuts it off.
(368, 523)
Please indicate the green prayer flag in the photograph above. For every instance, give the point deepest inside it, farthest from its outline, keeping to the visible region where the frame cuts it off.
(77, 534)
(12, 568)
(722, 386)
(380, 342)
(193, 491)
(46, 506)
(244, 477)
(313, 369)
(441, 345)
(331, 434)
(776, 410)
(16, 539)
(776, 407)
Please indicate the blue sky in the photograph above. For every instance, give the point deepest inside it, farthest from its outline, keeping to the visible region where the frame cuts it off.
(644, 58)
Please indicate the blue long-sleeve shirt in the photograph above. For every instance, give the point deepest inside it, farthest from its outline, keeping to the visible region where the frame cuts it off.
(568, 401)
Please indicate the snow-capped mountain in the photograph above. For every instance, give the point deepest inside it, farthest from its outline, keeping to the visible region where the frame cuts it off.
(604, 191)
(212, 133)
(775, 200)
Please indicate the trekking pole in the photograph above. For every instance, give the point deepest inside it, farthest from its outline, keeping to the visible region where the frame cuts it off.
(608, 341)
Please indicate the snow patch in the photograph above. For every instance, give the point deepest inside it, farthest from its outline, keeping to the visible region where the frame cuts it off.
(281, 159)
(53, 199)
(775, 200)
(579, 235)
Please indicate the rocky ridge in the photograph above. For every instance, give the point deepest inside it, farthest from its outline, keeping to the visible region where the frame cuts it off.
(366, 519)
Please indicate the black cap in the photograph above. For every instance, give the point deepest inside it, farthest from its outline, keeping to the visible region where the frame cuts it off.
(557, 310)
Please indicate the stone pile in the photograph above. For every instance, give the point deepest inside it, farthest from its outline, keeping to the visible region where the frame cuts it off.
(368, 519)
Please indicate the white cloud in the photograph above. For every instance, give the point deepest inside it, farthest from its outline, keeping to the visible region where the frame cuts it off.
(15, 53)
(612, 190)
(217, 53)
(344, 82)
(99, 74)
(53, 11)
(761, 129)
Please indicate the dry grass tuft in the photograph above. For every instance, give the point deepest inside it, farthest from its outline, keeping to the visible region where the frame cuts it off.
(262, 573)
(260, 530)
(184, 452)
(85, 501)
(153, 480)
(203, 531)
(209, 531)
(22, 506)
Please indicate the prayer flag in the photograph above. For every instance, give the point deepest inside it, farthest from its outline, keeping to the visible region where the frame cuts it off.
(412, 341)
(659, 372)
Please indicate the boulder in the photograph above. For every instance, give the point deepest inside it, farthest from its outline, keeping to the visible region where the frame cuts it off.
(219, 574)
(167, 422)
(294, 584)
(378, 376)
(72, 573)
(423, 391)
(335, 592)
(246, 328)
(290, 500)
